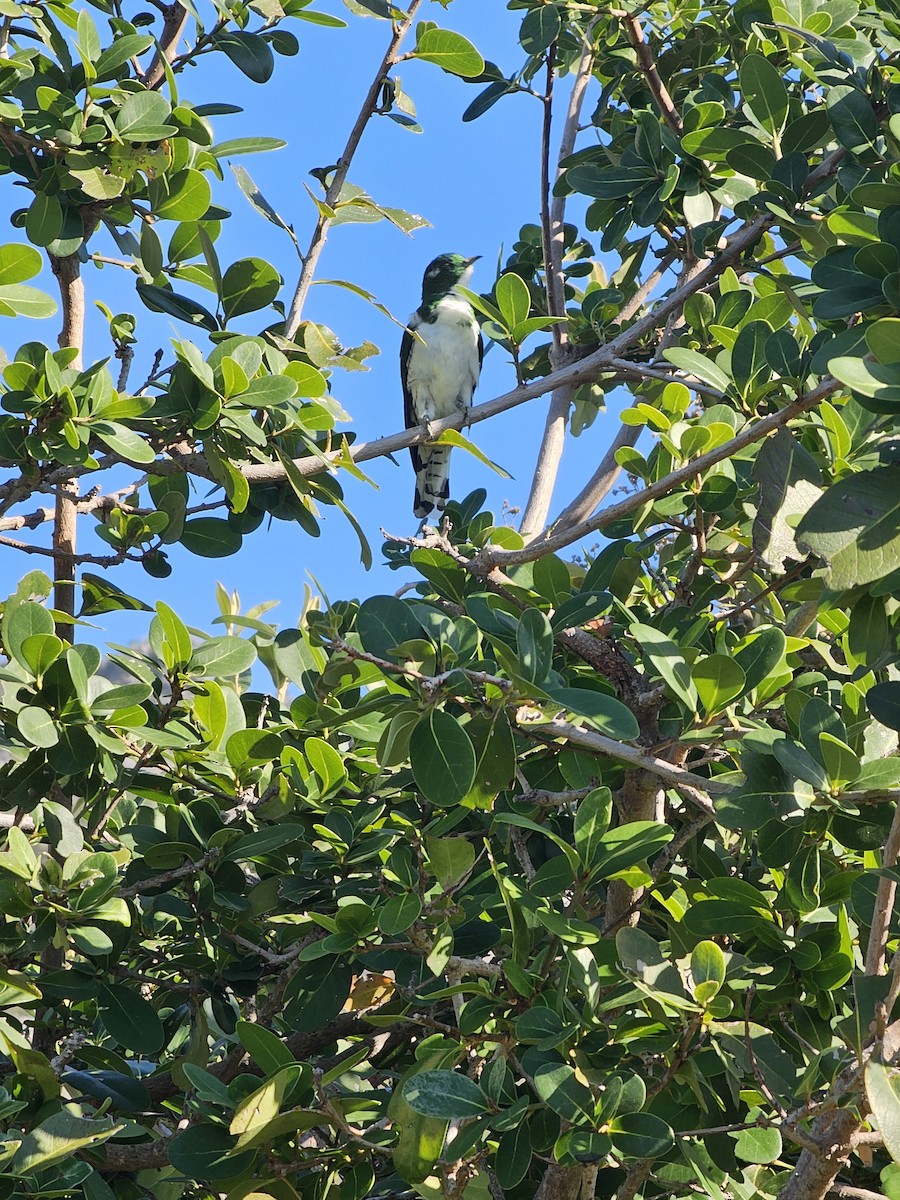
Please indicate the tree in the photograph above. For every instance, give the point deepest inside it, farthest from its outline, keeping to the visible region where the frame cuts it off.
(570, 868)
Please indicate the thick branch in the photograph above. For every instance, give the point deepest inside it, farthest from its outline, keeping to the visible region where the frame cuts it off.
(338, 179)
(174, 20)
(634, 756)
(600, 483)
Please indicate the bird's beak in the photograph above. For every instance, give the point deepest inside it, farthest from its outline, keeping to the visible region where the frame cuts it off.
(473, 259)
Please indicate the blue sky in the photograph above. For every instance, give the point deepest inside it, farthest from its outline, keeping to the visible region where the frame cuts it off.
(476, 183)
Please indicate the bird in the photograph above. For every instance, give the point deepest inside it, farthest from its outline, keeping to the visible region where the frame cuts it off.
(440, 362)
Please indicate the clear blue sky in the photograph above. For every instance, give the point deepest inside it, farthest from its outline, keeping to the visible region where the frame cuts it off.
(476, 183)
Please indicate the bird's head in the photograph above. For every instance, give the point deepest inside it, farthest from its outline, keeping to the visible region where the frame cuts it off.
(444, 273)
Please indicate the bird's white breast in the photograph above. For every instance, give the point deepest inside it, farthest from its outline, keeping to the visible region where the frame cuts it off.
(443, 368)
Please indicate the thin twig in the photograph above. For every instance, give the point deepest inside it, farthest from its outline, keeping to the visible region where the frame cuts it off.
(186, 871)
(647, 64)
(884, 901)
(320, 233)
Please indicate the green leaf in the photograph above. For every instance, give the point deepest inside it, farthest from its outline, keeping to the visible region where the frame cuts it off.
(124, 441)
(604, 712)
(513, 299)
(246, 145)
(592, 820)
(186, 196)
(698, 365)
(266, 1049)
(749, 365)
(442, 758)
(57, 1138)
(718, 679)
(540, 29)
(789, 483)
(707, 971)
(129, 1019)
(210, 537)
(852, 117)
(450, 51)
(640, 1135)
(327, 764)
(37, 726)
(563, 1093)
(250, 53)
(763, 87)
(160, 299)
(128, 46)
(385, 622)
(758, 1145)
(883, 702)
(259, 1109)
(450, 859)
(840, 762)
(762, 657)
(18, 263)
(514, 1152)
(260, 203)
(41, 650)
(44, 219)
(144, 117)
(175, 635)
(421, 1138)
(248, 285)
(262, 842)
(204, 1151)
(445, 1094)
(452, 437)
(534, 643)
(22, 621)
(668, 662)
(629, 844)
(26, 301)
(220, 657)
(883, 1094)
(855, 527)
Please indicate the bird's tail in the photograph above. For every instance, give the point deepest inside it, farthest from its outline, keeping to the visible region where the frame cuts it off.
(432, 479)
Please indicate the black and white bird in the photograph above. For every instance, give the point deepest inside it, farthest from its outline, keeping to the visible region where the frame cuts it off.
(440, 361)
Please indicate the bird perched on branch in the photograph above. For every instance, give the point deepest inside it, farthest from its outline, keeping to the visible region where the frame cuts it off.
(440, 361)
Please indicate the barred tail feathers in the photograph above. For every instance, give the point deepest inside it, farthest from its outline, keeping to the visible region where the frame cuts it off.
(432, 479)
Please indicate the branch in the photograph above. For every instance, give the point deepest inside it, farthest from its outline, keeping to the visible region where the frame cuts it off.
(634, 756)
(647, 64)
(884, 902)
(320, 233)
(174, 20)
(553, 216)
(601, 482)
(185, 871)
(493, 556)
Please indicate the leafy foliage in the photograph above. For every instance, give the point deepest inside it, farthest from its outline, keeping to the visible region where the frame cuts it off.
(549, 875)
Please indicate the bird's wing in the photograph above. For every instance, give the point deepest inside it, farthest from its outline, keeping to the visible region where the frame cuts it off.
(480, 350)
(409, 417)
